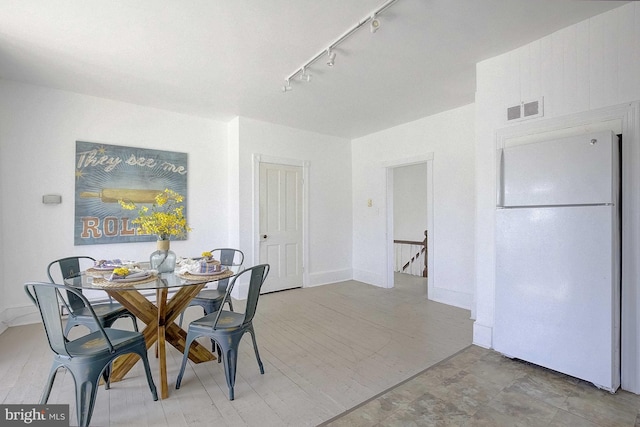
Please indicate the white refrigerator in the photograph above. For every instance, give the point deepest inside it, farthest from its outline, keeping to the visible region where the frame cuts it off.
(557, 295)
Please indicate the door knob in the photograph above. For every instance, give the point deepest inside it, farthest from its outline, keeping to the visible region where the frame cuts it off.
(264, 236)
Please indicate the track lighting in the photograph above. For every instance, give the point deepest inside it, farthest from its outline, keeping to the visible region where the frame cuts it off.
(305, 76)
(332, 57)
(374, 24)
(303, 72)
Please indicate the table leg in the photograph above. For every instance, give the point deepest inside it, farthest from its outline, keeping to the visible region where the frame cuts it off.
(161, 301)
(160, 327)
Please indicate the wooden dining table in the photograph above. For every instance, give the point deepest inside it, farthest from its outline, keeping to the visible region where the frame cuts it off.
(158, 316)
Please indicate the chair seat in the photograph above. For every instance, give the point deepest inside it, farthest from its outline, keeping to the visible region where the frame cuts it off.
(94, 343)
(111, 309)
(228, 321)
(210, 294)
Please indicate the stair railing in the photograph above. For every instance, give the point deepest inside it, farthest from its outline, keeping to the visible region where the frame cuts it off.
(411, 256)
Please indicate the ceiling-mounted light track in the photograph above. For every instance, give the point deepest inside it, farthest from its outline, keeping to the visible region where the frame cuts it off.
(303, 72)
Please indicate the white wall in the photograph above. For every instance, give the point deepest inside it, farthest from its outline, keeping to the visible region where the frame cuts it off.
(449, 136)
(38, 130)
(582, 68)
(329, 216)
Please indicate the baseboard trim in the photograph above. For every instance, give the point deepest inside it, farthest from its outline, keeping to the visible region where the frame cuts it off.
(369, 278)
(482, 335)
(450, 297)
(18, 316)
(327, 277)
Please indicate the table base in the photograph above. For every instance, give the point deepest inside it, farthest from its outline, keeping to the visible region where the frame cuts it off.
(160, 328)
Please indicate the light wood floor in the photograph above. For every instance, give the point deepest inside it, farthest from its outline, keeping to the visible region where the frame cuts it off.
(325, 350)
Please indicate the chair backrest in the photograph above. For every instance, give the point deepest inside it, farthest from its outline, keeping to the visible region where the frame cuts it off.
(47, 297)
(228, 257)
(68, 266)
(258, 275)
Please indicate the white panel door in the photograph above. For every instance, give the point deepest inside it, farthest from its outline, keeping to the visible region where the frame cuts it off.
(281, 225)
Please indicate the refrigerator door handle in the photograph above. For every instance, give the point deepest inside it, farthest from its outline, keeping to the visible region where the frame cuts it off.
(500, 179)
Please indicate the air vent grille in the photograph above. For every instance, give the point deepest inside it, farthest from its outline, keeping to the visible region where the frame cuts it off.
(525, 110)
(530, 109)
(513, 113)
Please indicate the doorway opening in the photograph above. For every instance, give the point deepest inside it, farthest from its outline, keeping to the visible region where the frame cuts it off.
(410, 211)
(410, 223)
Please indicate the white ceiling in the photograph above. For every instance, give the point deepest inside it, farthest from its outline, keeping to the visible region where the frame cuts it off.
(221, 59)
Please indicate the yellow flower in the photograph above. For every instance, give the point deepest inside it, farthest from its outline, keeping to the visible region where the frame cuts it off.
(165, 218)
(121, 271)
(206, 254)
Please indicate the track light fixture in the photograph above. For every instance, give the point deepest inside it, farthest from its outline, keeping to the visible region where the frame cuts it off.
(374, 24)
(303, 72)
(305, 76)
(332, 57)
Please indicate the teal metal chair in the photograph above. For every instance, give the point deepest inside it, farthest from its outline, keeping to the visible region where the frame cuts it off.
(226, 328)
(107, 313)
(211, 299)
(88, 357)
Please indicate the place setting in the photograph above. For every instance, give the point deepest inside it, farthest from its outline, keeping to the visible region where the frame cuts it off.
(119, 273)
(202, 267)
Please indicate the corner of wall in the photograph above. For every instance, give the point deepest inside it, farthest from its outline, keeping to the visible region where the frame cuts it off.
(326, 277)
(450, 297)
(233, 180)
(18, 316)
(482, 335)
(369, 278)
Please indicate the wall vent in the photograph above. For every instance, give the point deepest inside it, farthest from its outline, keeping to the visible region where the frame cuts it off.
(525, 110)
(514, 113)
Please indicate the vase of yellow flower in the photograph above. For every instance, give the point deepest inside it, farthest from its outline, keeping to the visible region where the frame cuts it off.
(165, 218)
(163, 259)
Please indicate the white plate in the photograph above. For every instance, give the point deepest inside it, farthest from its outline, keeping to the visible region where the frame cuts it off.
(211, 273)
(103, 268)
(132, 279)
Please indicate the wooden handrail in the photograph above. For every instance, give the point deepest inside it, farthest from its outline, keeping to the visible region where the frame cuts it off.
(408, 242)
(423, 243)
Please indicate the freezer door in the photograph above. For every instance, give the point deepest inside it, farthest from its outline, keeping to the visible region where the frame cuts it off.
(568, 171)
(557, 297)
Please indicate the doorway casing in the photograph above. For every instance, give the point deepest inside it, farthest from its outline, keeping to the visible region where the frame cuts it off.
(389, 168)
